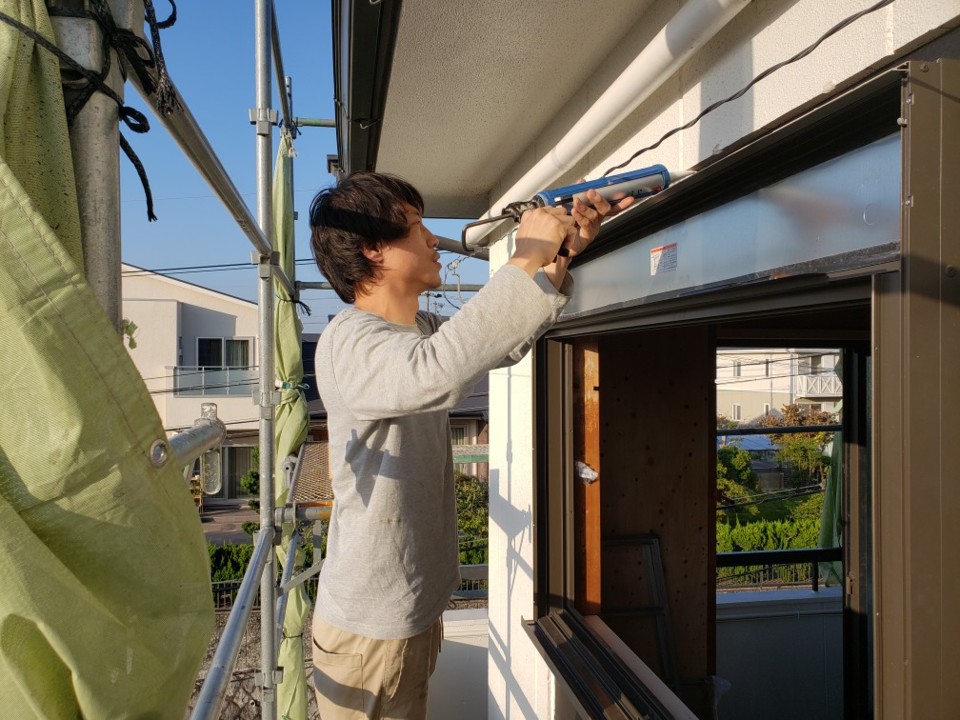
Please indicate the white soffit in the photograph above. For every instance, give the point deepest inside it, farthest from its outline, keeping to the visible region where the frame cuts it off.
(474, 83)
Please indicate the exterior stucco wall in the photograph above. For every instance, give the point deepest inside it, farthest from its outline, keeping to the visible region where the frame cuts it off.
(521, 686)
(158, 326)
(763, 34)
(170, 316)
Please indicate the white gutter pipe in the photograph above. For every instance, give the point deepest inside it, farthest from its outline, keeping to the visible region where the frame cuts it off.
(686, 32)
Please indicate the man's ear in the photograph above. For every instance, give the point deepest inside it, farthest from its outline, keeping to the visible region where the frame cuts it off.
(374, 255)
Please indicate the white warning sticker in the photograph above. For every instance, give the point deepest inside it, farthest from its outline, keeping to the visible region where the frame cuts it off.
(663, 259)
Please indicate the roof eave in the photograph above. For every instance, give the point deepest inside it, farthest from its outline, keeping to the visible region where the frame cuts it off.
(364, 37)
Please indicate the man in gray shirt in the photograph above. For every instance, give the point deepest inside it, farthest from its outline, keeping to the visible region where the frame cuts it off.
(389, 374)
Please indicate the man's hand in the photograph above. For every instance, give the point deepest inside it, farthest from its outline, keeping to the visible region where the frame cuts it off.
(541, 233)
(588, 216)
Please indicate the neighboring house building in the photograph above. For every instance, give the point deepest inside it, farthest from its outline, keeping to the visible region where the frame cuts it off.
(821, 215)
(195, 345)
(753, 382)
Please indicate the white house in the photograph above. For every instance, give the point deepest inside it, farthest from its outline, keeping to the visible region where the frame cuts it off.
(194, 345)
(823, 136)
(754, 382)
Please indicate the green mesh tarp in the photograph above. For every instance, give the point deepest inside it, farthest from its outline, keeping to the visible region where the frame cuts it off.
(290, 431)
(31, 108)
(105, 603)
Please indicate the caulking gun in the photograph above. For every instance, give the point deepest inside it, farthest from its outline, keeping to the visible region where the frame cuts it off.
(635, 183)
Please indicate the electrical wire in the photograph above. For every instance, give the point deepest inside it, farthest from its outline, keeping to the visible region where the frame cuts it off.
(763, 75)
(218, 267)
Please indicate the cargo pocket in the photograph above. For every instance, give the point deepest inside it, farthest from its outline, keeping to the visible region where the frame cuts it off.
(338, 679)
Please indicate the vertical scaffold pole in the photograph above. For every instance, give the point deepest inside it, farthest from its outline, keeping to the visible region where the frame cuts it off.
(267, 395)
(95, 146)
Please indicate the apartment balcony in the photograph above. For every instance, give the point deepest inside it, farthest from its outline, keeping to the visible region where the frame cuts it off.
(185, 387)
(194, 381)
(819, 386)
(778, 643)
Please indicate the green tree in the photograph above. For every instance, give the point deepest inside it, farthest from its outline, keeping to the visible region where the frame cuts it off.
(473, 503)
(250, 480)
(725, 423)
(804, 451)
(733, 463)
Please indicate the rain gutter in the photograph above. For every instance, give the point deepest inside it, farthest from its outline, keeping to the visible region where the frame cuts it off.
(364, 37)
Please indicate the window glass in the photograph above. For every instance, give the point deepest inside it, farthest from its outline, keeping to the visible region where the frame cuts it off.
(210, 352)
(237, 352)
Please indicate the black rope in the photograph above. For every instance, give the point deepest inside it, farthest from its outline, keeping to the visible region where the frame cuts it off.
(302, 308)
(140, 57)
(167, 101)
(141, 173)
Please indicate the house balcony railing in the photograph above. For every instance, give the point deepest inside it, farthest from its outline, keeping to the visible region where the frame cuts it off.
(195, 381)
(768, 569)
(820, 385)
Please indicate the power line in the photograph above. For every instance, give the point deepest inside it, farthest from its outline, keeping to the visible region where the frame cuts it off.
(766, 73)
(216, 267)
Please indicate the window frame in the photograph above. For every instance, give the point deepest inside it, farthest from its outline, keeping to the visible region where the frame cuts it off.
(223, 351)
(845, 123)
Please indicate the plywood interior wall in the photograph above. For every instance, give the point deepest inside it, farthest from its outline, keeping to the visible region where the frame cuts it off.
(658, 462)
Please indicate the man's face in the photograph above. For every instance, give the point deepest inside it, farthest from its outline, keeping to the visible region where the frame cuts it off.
(412, 263)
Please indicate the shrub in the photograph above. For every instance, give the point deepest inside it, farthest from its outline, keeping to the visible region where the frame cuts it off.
(768, 535)
(228, 562)
(250, 480)
(473, 502)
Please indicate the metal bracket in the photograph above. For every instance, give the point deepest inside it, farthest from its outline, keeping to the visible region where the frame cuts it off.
(276, 676)
(271, 398)
(264, 119)
(265, 263)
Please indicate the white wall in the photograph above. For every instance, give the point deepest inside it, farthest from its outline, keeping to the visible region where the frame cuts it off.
(169, 312)
(520, 684)
(764, 33)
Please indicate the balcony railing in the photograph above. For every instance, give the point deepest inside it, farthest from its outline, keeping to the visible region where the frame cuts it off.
(193, 381)
(819, 385)
(753, 569)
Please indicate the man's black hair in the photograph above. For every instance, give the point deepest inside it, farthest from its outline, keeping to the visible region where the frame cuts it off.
(363, 210)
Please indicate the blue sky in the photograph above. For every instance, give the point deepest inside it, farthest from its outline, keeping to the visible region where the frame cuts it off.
(210, 56)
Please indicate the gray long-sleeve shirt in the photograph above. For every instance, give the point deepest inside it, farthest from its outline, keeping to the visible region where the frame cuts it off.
(392, 556)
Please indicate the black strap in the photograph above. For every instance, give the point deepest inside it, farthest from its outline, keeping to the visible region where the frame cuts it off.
(139, 57)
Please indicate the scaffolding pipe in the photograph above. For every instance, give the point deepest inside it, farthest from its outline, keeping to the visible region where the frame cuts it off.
(207, 433)
(284, 579)
(185, 131)
(302, 513)
(267, 396)
(285, 110)
(95, 146)
(214, 688)
(314, 122)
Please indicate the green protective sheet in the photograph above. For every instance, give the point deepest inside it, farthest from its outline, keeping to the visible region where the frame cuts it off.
(105, 603)
(831, 517)
(290, 430)
(31, 109)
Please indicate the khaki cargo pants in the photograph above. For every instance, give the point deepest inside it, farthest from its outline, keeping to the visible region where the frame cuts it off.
(357, 677)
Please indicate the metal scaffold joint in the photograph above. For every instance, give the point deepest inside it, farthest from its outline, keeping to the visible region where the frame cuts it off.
(264, 119)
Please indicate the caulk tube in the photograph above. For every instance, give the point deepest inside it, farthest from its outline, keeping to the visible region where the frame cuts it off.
(635, 183)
